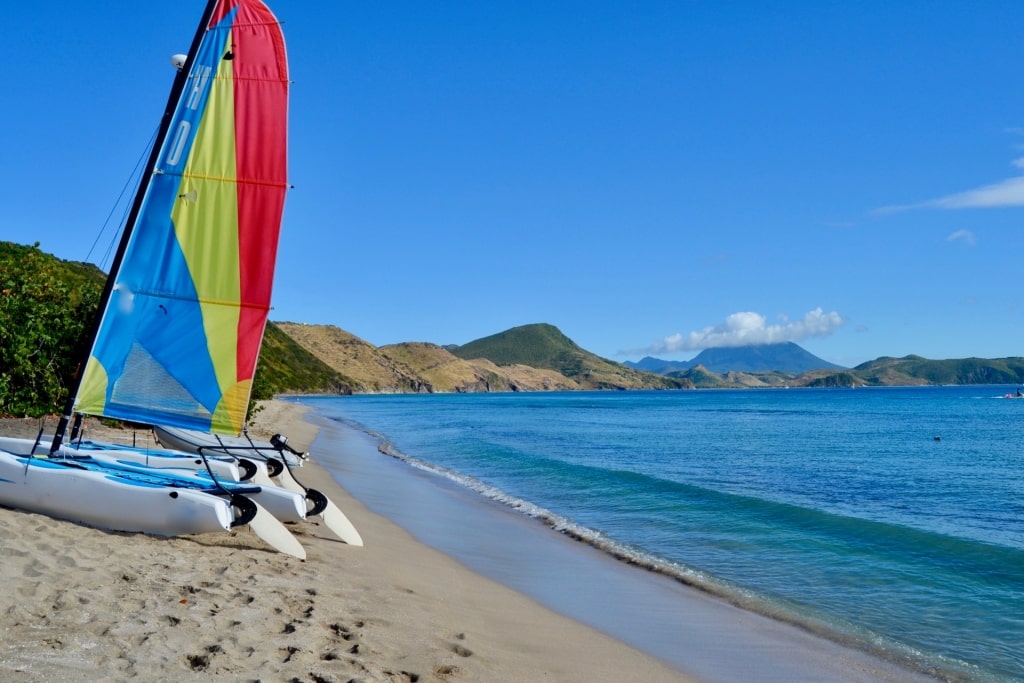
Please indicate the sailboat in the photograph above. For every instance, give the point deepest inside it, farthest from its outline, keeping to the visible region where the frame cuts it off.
(277, 454)
(183, 311)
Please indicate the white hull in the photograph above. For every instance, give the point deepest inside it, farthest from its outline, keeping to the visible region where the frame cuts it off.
(191, 441)
(108, 502)
(285, 505)
(223, 468)
(186, 439)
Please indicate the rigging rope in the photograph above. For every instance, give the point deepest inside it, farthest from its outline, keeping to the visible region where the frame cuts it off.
(130, 183)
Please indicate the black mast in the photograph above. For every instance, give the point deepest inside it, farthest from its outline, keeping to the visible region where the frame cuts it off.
(133, 215)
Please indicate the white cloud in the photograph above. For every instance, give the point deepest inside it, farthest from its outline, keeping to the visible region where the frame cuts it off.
(1009, 192)
(965, 236)
(748, 328)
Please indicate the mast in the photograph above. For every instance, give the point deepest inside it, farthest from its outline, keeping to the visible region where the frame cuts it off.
(180, 79)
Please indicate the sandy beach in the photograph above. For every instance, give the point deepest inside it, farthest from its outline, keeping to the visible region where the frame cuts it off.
(85, 604)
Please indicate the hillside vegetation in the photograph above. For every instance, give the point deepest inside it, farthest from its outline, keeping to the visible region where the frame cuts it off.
(917, 370)
(422, 367)
(285, 366)
(908, 371)
(47, 306)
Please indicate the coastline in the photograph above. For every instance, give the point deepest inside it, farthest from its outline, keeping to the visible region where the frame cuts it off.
(81, 602)
(704, 636)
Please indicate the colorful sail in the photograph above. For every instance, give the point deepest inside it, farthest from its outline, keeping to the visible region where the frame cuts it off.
(180, 336)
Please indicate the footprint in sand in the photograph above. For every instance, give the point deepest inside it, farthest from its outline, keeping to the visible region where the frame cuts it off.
(445, 671)
(459, 649)
(344, 632)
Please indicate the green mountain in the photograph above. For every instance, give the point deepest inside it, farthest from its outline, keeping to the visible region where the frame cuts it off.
(544, 346)
(917, 370)
(907, 371)
(782, 357)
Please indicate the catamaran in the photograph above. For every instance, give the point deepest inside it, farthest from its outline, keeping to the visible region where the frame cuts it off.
(183, 311)
(263, 455)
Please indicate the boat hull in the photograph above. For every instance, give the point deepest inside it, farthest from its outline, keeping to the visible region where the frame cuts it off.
(223, 468)
(192, 441)
(284, 504)
(108, 501)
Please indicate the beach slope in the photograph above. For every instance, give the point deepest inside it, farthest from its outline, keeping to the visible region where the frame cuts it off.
(85, 604)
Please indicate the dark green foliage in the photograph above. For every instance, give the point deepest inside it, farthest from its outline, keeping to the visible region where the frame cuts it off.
(46, 308)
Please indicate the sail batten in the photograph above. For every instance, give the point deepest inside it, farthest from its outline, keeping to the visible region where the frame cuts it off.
(180, 336)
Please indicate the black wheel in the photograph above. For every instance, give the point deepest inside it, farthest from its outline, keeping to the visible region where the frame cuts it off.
(274, 466)
(248, 469)
(245, 510)
(319, 501)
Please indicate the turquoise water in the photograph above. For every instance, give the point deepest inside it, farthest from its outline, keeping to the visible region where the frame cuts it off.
(889, 517)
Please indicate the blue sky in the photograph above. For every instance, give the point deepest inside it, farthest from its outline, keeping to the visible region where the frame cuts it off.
(653, 178)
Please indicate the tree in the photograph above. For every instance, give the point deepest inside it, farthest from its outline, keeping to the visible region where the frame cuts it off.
(45, 310)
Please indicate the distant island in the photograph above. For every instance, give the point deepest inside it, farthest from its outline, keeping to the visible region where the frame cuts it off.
(784, 357)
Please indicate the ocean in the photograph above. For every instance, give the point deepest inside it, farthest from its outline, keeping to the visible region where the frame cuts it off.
(889, 518)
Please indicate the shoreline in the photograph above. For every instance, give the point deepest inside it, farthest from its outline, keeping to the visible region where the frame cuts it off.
(404, 608)
(81, 601)
(699, 633)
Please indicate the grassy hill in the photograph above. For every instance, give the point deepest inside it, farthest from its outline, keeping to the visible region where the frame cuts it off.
(443, 371)
(286, 367)
(911, 370)
(415, 367)
(544, 346)
(365, 368)
(883, 372)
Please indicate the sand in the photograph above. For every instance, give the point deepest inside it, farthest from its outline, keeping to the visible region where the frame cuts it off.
(84, 604)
